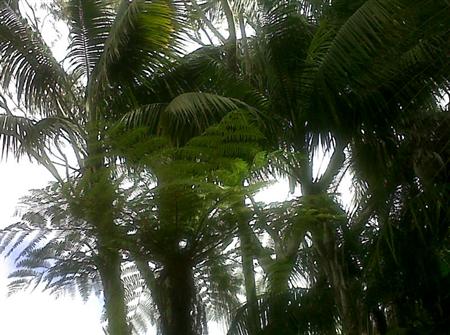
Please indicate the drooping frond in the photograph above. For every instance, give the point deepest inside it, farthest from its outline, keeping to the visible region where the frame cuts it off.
(90, 22)
(24, 136)
(142, 312)
(190, 114)
(185, 116)
(218, 285)
(27, 63)
(141, 38)
(282, 163)
(13, 130)
(355, 62)
(385, 56)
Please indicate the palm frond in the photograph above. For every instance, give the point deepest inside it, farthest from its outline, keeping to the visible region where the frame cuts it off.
(51, 247)
(296, 311)
(141, 38)
(90, 22)
(374, 45)
(24, 136)
(26, 62)
(185, 116)
(218, 285)
(142, 311)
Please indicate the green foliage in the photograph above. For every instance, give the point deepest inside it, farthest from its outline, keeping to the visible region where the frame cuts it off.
(40, 81)
(296, 311)
(170, 151)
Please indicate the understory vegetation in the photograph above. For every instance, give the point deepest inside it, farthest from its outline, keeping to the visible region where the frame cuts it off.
(158, 153)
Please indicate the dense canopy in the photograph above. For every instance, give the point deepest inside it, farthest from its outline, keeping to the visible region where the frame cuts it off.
(165, 119)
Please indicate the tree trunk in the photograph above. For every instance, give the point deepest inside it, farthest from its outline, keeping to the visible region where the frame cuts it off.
(231, 41)
(113, 291)
(334, 267)
(179, 286)
(245, 49)
(249, 277)
(97, 202)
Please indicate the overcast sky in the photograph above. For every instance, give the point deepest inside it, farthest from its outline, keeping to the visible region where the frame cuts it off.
(36, 312)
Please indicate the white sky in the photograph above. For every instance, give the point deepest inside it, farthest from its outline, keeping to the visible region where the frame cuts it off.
(37, 313)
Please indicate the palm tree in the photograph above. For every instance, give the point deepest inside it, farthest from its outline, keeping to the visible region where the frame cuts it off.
(330, 71)
(400, 209)
(314, 79)
(90, 95)
(112, 48)
(334, 74)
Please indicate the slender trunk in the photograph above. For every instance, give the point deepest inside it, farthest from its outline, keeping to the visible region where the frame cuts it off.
(324, 239)
(334, 269)
(230, 20)
(109, 266)
(245, 49)
(231, 41)
(249, 277)
(113, 290)
(98, 201)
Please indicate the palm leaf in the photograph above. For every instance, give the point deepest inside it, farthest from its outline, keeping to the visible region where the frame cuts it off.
(379, 31)
(296, 311)
(90, 22)
(22, 135)
(185, 116)
(26, 61)
(139, 41)
(194, 112)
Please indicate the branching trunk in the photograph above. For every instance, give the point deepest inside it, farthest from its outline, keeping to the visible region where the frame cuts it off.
(245, 49)
(324, 240)
(207, 22)
(231, 41)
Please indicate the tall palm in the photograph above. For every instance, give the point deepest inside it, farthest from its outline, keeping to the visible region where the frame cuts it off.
(314, 75)
(401, 205)
(112, 48)
(331, 70)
